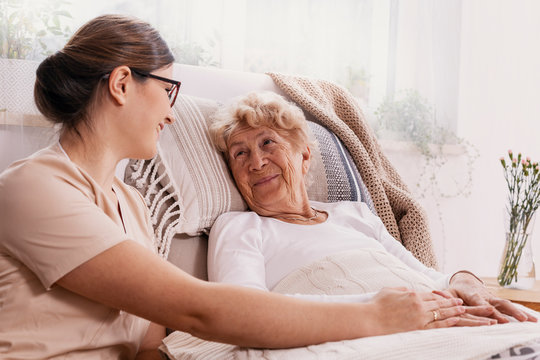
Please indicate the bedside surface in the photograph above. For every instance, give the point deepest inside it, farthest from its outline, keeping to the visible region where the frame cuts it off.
(529, 298)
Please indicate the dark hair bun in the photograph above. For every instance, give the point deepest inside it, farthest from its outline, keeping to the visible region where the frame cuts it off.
(60, 93)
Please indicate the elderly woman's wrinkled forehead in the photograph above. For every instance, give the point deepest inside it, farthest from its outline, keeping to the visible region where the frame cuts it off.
(244, 133)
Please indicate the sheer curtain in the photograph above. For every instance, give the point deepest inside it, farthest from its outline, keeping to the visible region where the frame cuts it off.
(328, 39)
(424, 59)
(477, 64)
(428, 53)
(325, 39)
(498, 110)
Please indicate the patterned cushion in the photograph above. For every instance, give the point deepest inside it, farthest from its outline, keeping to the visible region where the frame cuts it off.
(188, 184)
(341, 175)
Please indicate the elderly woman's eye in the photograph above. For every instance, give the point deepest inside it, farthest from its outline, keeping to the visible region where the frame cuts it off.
(268, 141)
(239, 153)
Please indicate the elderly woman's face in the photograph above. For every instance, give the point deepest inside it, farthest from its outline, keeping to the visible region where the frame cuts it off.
(267, 169)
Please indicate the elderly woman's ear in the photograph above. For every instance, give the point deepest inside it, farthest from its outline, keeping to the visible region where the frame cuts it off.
(306, 159)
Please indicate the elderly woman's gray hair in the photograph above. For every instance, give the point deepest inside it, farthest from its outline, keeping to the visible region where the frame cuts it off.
(258, 109)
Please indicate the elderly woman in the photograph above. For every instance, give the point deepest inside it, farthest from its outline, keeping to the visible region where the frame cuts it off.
(265, 143)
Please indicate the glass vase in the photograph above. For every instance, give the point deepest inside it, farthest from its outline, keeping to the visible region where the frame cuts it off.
(517, 269)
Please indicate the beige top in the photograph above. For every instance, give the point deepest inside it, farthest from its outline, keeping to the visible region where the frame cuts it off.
(54, 217)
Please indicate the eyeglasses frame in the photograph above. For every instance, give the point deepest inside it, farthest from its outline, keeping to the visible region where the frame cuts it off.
(174, 90)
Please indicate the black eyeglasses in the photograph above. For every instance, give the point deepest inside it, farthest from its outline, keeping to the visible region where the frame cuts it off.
(172, 93)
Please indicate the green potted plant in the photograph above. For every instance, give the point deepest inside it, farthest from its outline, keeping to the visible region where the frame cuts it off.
(410, 118)
(27, 28)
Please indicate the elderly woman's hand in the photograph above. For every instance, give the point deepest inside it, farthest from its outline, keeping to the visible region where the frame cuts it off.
(400, 309)
(472, 291)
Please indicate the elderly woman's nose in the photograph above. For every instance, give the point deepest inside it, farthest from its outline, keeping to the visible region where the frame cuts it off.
(257, 160)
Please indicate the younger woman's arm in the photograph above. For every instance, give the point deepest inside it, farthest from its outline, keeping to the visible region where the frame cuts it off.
(131, 278)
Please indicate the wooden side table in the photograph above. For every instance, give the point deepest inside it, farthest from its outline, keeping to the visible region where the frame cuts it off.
(529, 298)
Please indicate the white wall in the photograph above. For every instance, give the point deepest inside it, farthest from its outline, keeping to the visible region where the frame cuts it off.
(17, 107)
(499, 109)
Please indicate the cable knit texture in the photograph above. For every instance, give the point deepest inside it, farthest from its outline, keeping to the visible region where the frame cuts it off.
(335, 108)
(353, 272)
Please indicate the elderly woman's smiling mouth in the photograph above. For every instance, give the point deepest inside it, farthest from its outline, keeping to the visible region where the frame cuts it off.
(265, 180)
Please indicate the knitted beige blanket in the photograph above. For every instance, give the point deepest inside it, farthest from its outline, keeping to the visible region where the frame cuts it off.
(335, 108)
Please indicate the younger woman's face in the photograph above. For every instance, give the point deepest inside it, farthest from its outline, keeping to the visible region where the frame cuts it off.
(151, 111)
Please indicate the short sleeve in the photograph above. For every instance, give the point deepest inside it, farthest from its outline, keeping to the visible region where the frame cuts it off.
(234, 251)
(53, 217)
